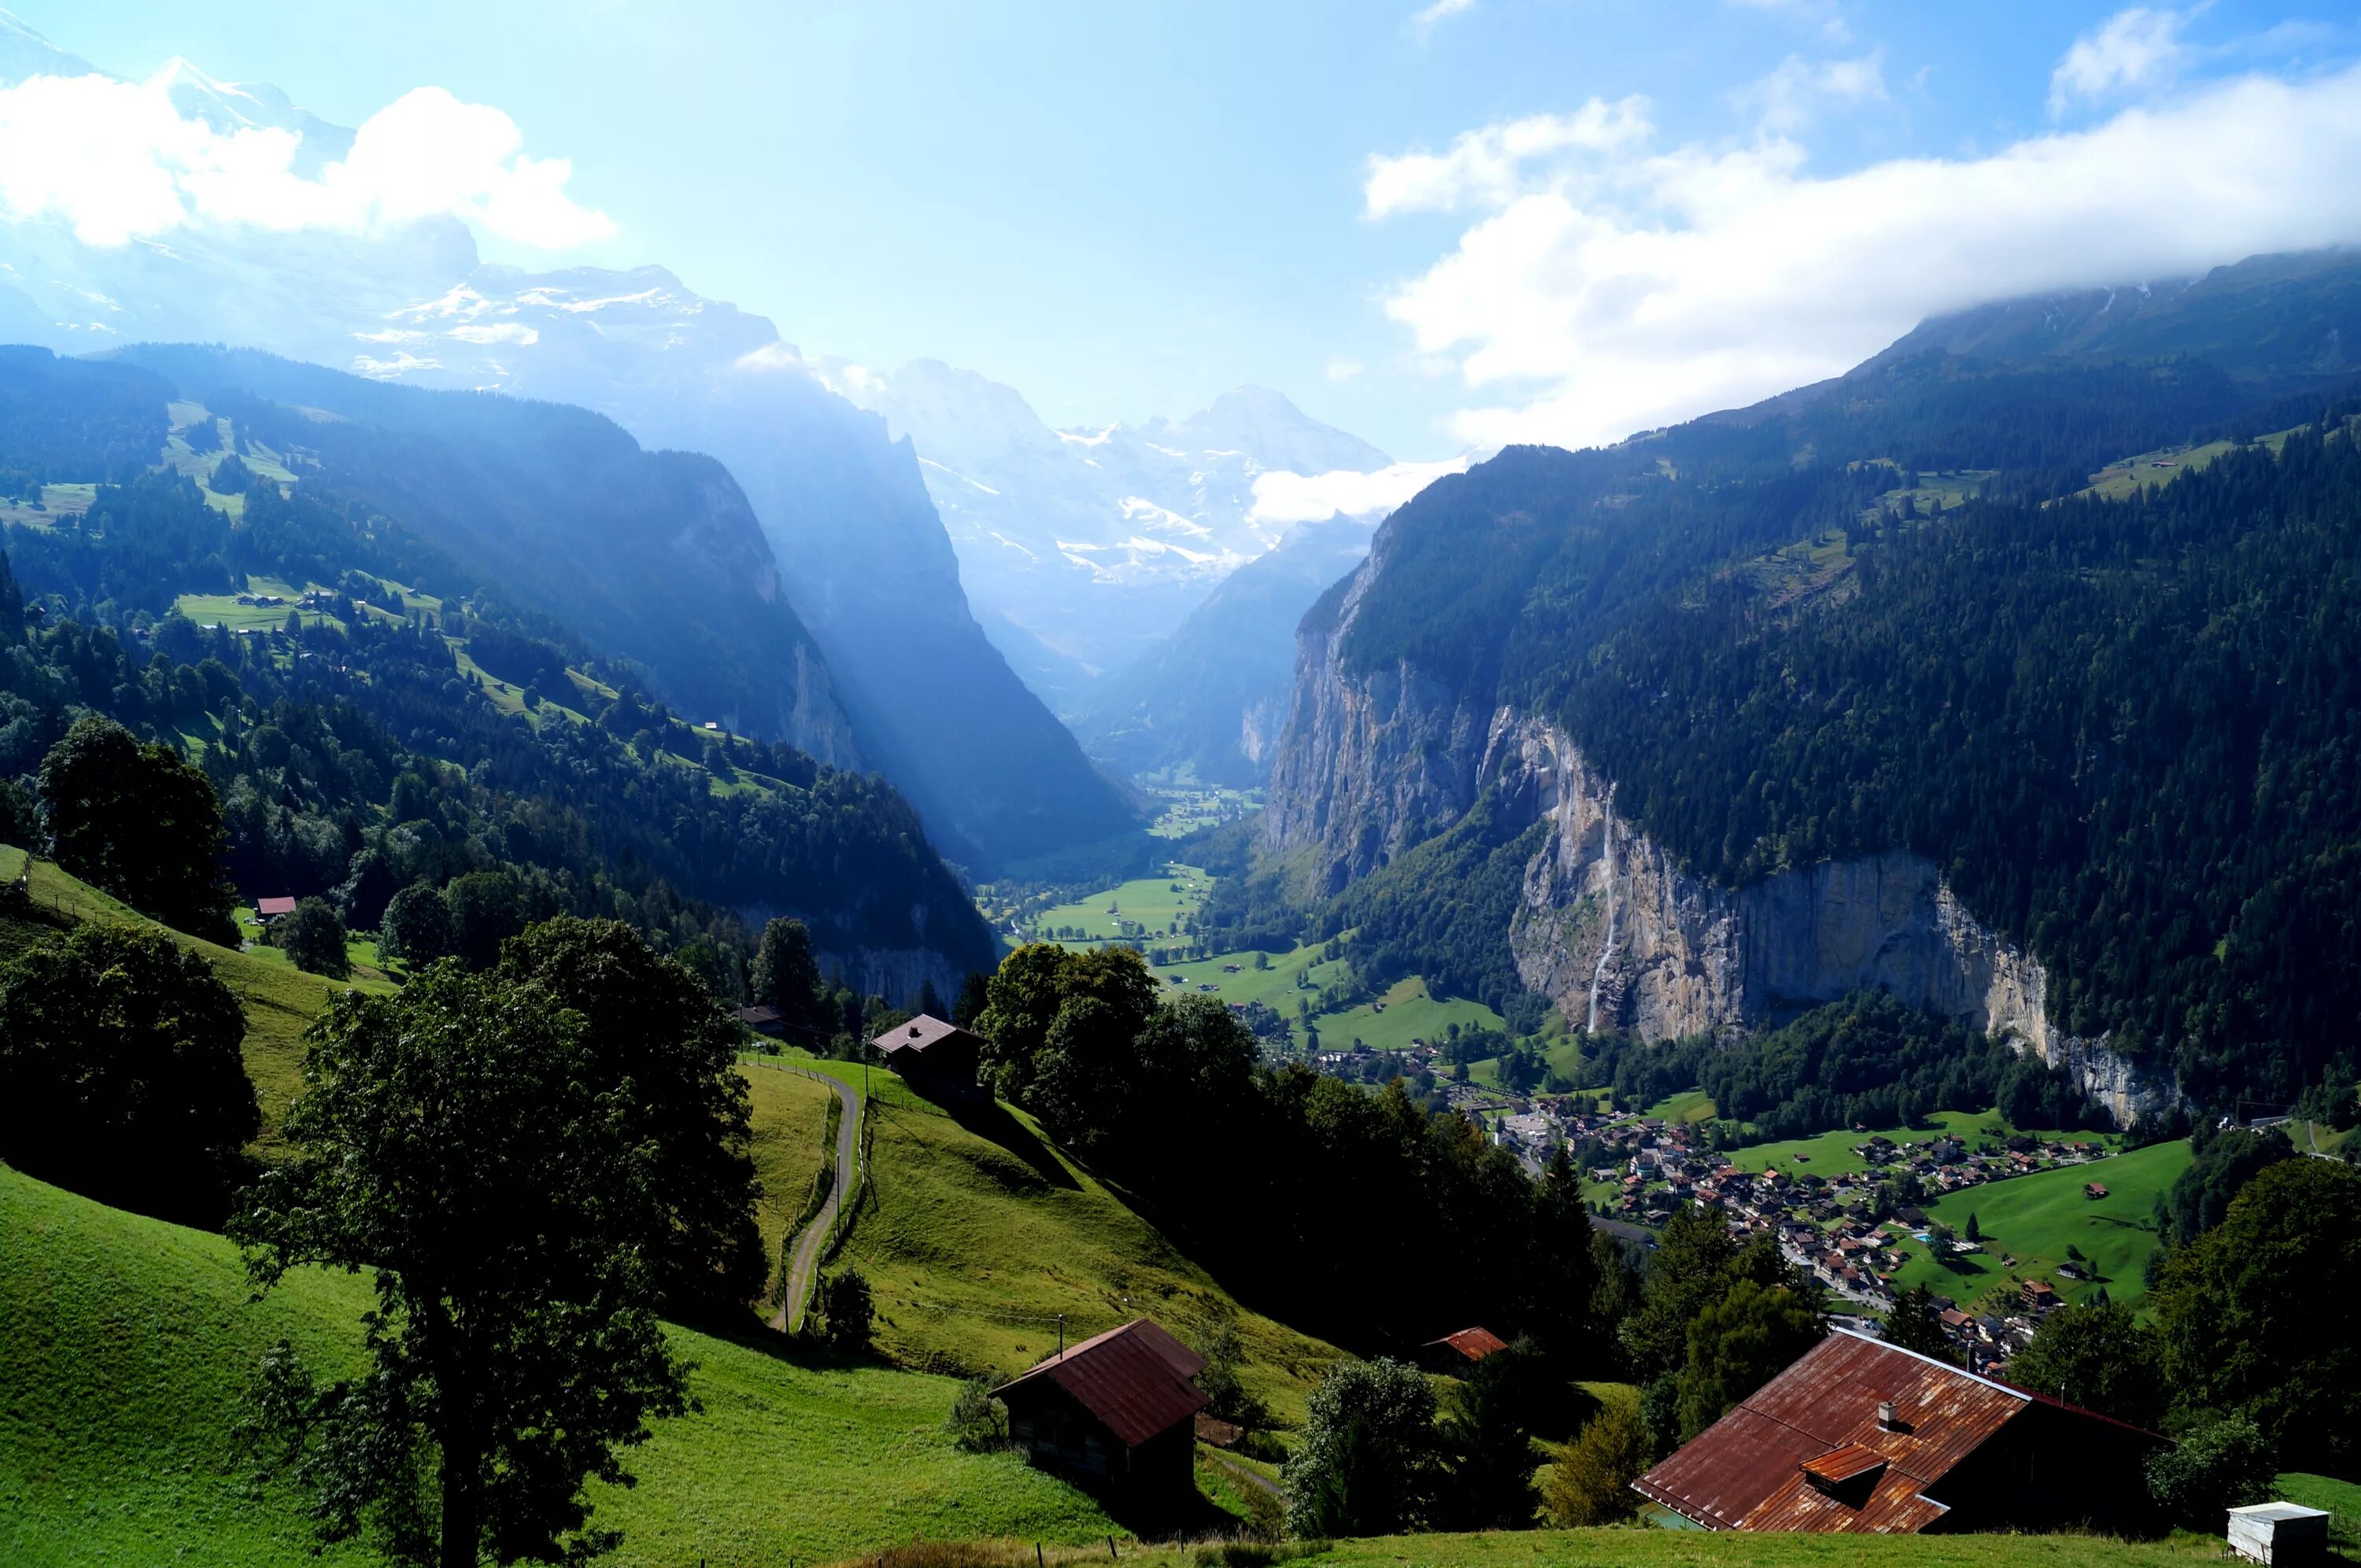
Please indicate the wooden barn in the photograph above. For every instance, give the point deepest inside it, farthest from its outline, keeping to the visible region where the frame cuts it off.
(1452, 1354)
(1859, 1435)
(935, 1058)
(1118, 1413)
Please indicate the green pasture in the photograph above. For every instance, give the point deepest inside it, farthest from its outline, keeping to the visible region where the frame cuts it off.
(1155, 903)
(2033, 1219)
(1687, 1108)
(128, 1347)
(1407, 1013)
(223, 609)
(1832, 1154)
(977, 1233)
(280, 999)
(56, 501)
(1274, 987)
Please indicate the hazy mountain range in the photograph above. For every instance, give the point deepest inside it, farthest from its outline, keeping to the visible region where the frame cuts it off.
(1090, 545)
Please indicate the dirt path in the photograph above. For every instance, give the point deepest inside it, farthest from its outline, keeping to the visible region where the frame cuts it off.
(1254, 1478)
(805, 1259)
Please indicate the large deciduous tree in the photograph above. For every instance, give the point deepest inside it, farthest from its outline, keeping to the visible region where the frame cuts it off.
(1739, 1344)
(140, 823)
(120, 1074)
(2255, 1316)
(650, 1024)
(2096, 1354)
(478, 1145)
(787, 976)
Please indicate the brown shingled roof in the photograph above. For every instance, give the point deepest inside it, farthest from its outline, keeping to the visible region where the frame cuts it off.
(1136, 1379)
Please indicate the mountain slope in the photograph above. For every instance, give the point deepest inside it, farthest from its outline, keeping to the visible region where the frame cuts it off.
(1821, 695)
(861, 556)
(1211, 698)
(655, 555)
(386, 733)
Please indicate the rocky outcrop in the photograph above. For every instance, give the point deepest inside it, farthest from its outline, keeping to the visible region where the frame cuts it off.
(1609, 927)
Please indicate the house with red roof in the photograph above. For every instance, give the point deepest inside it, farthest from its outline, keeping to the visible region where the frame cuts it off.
(1859, 1435)
(1117, 1414)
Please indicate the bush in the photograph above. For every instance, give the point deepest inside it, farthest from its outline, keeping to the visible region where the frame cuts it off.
(2225, 1464)
(1592, 1485)
(1367, 1462)
(978, 1422)
(313, 937)
(843, 1311)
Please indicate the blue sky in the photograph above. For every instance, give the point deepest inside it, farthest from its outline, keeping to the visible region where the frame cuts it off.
(1123, 209)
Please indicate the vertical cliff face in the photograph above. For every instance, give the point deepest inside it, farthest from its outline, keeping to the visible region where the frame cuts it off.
(1368, 765)
(1611, 927)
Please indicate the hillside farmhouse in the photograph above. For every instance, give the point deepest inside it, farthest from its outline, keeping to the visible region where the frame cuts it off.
(1118, 1413)
(937, 1059)
(1861, 1436)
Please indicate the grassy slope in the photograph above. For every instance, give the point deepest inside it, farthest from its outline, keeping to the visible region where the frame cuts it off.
(126, 1346)
(790, 1119)
(2034, 1218)
(973, 1246)
(1155, 901)
(281, 1001)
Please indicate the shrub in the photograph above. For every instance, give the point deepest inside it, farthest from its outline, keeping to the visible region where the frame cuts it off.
(2225, 1464)
(1367, 1462)
(978, 1421)
(1592, 1485)
(844, 1311)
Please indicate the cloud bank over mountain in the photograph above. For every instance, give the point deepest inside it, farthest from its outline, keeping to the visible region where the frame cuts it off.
(1612, 283)
(122, 161)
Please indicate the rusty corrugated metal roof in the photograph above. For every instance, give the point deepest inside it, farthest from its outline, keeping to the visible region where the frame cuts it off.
(1747, 1469)
(1846, 1463)
(1473, 1344)
(1136, 1379)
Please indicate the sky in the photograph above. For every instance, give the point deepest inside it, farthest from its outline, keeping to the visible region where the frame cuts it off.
(1440, 228)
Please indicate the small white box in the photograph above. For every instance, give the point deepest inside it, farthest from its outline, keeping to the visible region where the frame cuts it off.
(2279, 1534)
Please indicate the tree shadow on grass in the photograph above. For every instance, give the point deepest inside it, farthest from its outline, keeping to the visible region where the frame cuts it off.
(991, 1121)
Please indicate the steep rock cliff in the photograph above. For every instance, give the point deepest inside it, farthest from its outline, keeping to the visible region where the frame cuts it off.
(1368, 765)
(1609, 927)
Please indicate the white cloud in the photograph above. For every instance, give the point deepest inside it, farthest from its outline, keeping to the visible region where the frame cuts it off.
(1343, 369)
(1825, 14)
(1440, 11)
(1282, 498)
(1787, 97)
(116, 161)
(1604, 295)
(2135, 48)
(1484, 166)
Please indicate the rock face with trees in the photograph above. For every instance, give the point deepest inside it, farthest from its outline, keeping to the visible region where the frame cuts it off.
(1789, 715)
